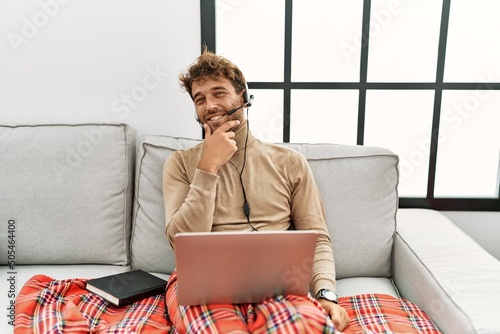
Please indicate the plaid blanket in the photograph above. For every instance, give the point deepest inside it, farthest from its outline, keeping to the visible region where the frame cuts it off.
(45, 305)
(379, 313)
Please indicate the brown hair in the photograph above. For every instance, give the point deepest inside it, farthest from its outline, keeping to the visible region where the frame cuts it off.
(212, 66)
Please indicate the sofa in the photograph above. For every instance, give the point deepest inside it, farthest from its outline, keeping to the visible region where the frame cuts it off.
(85, 200)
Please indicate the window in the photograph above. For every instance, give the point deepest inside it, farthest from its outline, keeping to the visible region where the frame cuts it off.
(405, 128)
(421, 78)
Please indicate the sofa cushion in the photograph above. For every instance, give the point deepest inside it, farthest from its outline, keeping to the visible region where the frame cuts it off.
(363, 285)
(67, 192)
(149, 246)
(358, 185)
(359, 189)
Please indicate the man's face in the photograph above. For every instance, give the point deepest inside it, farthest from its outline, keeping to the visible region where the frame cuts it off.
(213, 99)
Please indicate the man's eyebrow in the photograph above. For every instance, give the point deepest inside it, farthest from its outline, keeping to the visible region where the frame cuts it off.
(195, 95)
(218, 88)
(211, 89)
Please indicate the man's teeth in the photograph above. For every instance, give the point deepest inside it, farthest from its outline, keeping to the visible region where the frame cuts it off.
(215, 118)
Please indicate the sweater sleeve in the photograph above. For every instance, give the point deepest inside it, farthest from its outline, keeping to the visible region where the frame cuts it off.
(189, 204)
(308, 213)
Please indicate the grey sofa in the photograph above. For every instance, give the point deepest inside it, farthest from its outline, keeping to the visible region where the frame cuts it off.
(84, 202)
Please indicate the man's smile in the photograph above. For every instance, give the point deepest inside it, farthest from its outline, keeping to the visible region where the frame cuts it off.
(215, 118)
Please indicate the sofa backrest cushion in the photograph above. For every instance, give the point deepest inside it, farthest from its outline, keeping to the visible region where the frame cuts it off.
(149, 246)
(67, 190)
(358, 186)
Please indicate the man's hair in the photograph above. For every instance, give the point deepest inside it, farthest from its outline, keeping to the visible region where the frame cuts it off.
(212, 66)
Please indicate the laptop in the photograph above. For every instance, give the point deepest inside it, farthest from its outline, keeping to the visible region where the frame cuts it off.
(243, 267)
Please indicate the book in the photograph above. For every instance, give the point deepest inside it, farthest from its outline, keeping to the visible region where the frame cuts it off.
(128, 287)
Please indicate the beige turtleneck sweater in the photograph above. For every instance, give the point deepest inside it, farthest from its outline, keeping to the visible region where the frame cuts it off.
(280, 190)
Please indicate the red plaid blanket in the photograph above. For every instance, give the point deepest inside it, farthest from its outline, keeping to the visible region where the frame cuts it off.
(378, 313)
(45, 305)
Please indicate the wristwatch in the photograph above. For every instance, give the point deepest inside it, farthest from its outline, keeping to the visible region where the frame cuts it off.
(328, 295)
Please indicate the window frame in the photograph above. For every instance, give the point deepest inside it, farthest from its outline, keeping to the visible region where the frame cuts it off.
(208, 38)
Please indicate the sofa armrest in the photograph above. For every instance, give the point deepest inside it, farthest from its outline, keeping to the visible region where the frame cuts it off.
(441, 269)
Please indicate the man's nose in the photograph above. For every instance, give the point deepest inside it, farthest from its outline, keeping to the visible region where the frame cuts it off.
(211, 104)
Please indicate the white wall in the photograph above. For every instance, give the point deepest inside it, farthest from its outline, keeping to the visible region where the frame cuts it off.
(76, 61)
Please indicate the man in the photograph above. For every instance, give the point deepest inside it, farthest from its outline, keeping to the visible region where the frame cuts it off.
(233, 181)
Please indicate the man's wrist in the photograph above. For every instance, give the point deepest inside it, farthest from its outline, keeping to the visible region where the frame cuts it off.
(208, 168)
(327, 295)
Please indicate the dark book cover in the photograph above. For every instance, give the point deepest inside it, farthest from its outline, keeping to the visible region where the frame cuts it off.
(128, 287)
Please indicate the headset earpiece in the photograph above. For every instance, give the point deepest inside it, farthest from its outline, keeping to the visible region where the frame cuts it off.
(246, 96)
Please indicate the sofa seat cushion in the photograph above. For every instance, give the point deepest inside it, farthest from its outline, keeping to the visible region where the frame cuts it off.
(67, 192)
(362, 285)
(358, 185)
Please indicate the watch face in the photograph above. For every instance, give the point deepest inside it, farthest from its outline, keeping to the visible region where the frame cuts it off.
(330, 295)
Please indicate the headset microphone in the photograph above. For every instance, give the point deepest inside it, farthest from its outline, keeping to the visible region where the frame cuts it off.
(246, 104)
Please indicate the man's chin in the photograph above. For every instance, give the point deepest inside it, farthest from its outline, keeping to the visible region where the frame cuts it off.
(214, 125)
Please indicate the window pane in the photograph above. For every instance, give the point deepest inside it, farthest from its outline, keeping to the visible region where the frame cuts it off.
(257, 50)
(401, 120)
(472, 49)
(404, 37)
(324, 116)
(469, 145)
(266, 115)
(326, 40)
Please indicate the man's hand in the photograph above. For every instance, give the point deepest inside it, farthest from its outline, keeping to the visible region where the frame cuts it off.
(337, 313)
(218, 147)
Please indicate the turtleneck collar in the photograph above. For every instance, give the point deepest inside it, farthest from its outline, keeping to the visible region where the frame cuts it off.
(240, 137)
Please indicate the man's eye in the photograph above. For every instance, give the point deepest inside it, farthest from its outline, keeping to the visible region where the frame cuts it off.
(199, 101)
